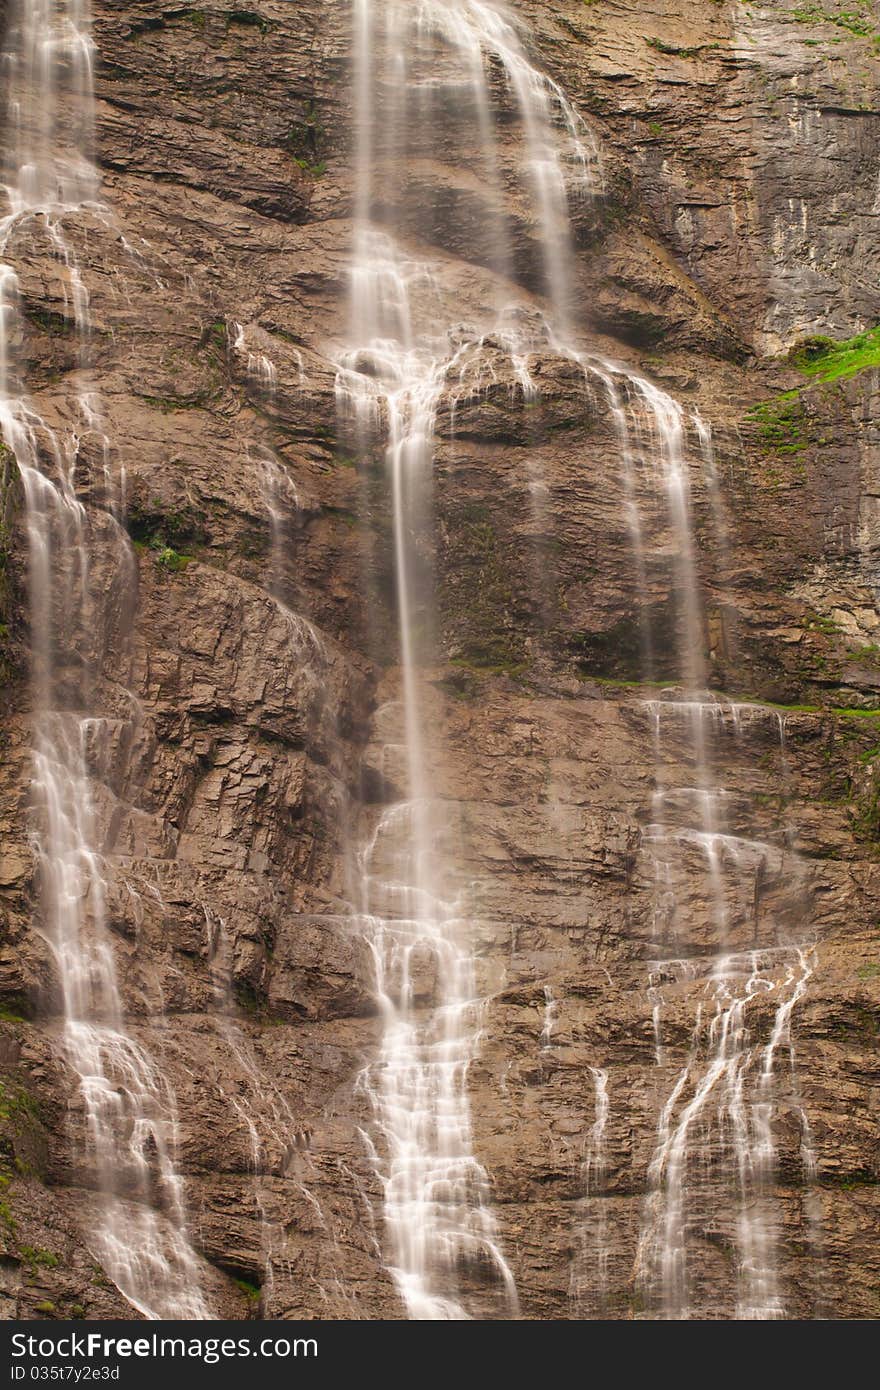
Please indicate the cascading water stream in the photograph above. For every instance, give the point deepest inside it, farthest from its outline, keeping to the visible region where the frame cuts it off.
(715, 1148)
(589, 1276)
(435, 1209)
(405, 350)
(137, 1230)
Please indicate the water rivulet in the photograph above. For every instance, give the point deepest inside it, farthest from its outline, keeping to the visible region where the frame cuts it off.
(81, 575)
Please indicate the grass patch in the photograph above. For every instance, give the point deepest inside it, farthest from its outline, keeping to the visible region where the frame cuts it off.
(870, 655)
(855, 21)
(819, 622)
(825, 359)
(839, 711)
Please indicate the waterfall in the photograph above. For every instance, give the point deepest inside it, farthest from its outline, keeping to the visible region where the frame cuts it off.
(445, 306)
(138, 1228)
(436, 1214)
(406, 349)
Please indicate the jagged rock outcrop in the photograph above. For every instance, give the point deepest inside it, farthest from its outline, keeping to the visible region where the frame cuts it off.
(249, 659)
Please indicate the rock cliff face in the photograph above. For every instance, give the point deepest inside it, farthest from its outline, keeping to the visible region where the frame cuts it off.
(257, 646)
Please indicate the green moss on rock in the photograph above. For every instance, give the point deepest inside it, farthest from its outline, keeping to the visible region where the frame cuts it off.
(780, 424)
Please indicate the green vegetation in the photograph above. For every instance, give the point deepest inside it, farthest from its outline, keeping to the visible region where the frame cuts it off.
(855, 21)
(780, 424)
(167, 558)
(316, 170)
(866, 820)
(483, 596)
(828, 360)
(249, 19)
(819, 622)
(348, 518)
(36, 1258)
(46, 1308)
(250, 1291)
(618, 683)
(869, 656)
(6, 1216)
(835, 711)
(491, 661)
(849, 1182)
(167, 533)
(675, 52)
(172, 560)
(19, 1119)
(56, 325)
(16, 1102)
(869, 971)
(305, 141)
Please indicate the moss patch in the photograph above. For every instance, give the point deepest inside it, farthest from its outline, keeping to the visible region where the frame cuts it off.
(250, 1291)
(175, 531)
(480, 599)
(780, 424)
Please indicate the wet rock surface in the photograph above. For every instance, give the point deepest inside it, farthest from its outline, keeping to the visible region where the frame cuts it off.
(249, 654)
